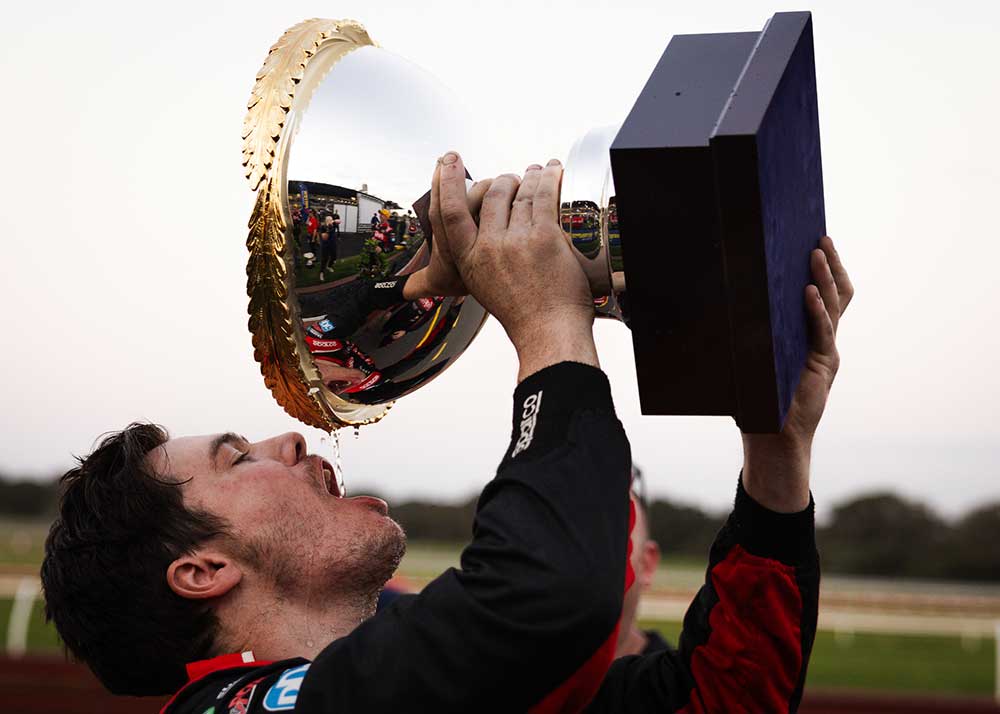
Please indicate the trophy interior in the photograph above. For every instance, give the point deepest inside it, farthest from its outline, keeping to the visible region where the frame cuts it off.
(367, 130)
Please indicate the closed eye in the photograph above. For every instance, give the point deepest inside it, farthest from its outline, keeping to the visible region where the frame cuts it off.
(244, 456)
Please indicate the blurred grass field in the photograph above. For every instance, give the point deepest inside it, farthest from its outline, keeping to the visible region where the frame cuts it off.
(932, 664)
(22, 542)
(917, 664)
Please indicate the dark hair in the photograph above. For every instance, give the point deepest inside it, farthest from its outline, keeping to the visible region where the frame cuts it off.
(119, 527)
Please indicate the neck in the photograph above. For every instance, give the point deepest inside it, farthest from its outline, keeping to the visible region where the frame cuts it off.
(275, 627)
(633, 642)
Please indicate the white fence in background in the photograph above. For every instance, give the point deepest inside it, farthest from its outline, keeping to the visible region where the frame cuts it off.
(25, 593)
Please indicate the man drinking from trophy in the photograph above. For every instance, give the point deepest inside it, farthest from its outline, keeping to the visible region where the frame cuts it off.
(235, 575)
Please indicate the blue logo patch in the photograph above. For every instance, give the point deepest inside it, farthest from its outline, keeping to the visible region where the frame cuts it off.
(326, 326)
(283, 693)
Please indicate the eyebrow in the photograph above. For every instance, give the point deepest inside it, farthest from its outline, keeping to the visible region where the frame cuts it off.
(221, 440)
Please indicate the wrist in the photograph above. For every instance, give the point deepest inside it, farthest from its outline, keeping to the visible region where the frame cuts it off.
(778, 446)
(541, 344)
(776, 470)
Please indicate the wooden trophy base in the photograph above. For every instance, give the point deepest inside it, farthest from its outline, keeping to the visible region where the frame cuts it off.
(719, 188)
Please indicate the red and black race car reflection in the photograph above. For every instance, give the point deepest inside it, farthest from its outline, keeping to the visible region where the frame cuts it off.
(345, 369)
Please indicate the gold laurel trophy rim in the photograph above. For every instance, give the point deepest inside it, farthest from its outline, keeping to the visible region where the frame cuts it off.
(293, 68)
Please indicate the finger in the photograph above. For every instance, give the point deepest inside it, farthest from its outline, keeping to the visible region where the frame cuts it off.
(821, 327)
(545, 206)
(455, 216)
(520, 212)
(845, 289)
(434, 212)
(823, 279)
(495, 213)
(476, 195)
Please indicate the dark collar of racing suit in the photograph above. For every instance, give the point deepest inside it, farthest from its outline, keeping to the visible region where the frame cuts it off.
(654, 642)
(231, 663)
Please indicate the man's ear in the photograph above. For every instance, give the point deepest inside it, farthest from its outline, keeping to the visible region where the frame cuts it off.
(203, 574)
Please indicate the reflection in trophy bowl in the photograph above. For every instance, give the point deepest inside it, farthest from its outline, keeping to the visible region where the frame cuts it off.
(359, 169)
(347, 195)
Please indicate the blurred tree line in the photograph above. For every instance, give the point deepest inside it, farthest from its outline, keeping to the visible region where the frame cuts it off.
(873, 534)
(28, 499)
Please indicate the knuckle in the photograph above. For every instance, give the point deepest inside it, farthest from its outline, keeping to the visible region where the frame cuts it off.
(505, 182)
(451, 216)
(545, 191)
(487, 213)
(451, 205)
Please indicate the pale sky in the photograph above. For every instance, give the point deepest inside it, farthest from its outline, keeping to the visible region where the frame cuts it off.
(124, 211)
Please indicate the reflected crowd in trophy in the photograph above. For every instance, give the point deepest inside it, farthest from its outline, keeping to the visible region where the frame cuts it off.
(334, 238)
(365, 348)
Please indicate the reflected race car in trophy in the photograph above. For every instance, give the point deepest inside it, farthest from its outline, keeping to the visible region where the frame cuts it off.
(693, 221)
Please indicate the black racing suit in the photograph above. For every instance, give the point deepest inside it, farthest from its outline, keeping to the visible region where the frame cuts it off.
(529, 621)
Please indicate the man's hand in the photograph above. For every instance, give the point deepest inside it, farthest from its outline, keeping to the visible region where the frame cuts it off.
(776, 466)
(517, 262)
(441, 277)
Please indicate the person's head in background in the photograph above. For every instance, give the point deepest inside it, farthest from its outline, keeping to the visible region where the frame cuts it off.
(645, 560)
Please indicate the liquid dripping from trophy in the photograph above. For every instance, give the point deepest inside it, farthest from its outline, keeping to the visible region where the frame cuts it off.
(331, 446)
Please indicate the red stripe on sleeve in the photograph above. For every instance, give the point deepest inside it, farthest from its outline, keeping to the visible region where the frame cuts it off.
(576, 692)
(753, 655)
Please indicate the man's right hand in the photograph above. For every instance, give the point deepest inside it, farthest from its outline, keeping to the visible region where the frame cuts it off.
(776, 466)
(517, 262)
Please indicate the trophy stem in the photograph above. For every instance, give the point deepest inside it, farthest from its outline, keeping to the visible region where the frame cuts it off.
(590, 219)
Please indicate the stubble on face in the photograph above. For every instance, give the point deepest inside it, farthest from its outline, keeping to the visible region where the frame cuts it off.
(357, 566)
(377, 557)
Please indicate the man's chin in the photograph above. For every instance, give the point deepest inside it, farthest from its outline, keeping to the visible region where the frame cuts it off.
(400, 541)
(385, 551)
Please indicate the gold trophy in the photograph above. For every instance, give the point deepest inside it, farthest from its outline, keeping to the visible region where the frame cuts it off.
(722, 148)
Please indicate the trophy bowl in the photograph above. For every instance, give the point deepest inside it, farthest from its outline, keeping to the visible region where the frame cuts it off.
(340, 142)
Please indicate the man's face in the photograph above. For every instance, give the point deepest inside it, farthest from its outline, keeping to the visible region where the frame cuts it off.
(645, 559)
(292, 526)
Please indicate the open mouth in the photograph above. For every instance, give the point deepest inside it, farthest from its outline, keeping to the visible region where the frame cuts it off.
(329, 478)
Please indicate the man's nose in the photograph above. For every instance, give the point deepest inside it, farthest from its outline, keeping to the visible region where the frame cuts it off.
(288, 448)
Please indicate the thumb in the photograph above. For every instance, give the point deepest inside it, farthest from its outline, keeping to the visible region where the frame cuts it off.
(455, 216)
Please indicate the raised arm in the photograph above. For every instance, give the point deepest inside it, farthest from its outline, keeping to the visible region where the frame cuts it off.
(528, 623)
(776, 466)
(748, 634)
